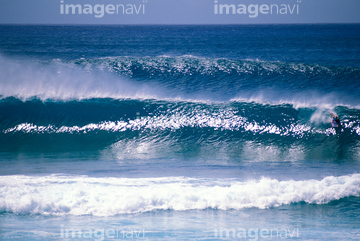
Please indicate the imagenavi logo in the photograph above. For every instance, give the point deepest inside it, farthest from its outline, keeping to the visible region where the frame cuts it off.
(100, 10)
(254, 10)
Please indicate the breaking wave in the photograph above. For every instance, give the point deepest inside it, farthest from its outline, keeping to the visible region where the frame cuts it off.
(82, 195)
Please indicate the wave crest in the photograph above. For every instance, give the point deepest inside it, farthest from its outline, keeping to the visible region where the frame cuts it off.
(189, 65)
(82, 195)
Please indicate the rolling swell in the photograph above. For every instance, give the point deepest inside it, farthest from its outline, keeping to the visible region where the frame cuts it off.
(177, 128)
(183, 77)
(179, 106)
(192, 74)
(187, 65)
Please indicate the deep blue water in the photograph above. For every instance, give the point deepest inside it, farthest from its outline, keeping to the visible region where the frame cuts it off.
(179, 132)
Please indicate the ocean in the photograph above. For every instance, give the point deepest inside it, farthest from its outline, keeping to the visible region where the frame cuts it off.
(213, 132)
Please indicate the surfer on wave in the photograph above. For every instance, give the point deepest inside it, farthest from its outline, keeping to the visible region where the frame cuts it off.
(335, 122)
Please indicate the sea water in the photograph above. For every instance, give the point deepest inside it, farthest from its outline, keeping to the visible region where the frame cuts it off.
(179, 132)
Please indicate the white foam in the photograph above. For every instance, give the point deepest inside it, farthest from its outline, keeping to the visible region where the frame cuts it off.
(225, 119)
(55, 81)
(83, 195)
(98, 78)
(305, 99)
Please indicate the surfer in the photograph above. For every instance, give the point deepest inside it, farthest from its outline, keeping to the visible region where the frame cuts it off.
(335, 122)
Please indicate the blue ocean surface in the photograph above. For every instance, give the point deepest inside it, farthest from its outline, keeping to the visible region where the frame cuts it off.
(179, 132)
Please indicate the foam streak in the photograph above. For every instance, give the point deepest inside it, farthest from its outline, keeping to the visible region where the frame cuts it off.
(83, 195)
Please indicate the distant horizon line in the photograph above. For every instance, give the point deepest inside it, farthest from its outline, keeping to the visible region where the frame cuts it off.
(170, 24)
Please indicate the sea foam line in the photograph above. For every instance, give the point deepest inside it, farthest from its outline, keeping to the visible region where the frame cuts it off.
(222, 121)
(83, 195)
(235, 123)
